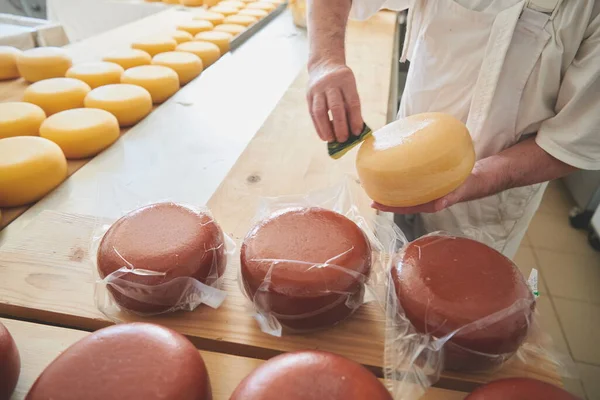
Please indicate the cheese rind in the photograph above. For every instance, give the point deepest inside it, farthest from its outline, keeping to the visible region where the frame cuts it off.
(208, 52)
(20, 119)
(30, 167)
(415, 160)
(129, 58)
(160, 81)
(233, 29)
(221, 39)
(8, 62)
(82, 132)
(128, 103)
(195, 26)
(96, 74)
(182, 36)
(57, 94)
(186, 65)
(43, 63)
(155, 44)
(212, 17)
(244, 20)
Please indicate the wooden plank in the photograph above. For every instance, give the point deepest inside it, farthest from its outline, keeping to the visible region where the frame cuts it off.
(40, 344)
(275, 63)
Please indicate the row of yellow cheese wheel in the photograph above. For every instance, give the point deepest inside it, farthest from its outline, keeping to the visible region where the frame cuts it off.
(77, 109)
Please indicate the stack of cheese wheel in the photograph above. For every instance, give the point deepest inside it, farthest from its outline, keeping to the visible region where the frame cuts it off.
(449, 285)
(82, 132)
(310, 375)
(8, 62)
(57, 94)
(172, 242)
(136, 361)
(96, 74)
(129, 58)
(20, 119)
(10, 363)
(212, 17)
(30, 167)
(306, 267)
(519, 388)
(43, 63)
(415, 160)
(208, 52)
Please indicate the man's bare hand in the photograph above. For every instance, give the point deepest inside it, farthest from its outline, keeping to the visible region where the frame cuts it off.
(332, 87)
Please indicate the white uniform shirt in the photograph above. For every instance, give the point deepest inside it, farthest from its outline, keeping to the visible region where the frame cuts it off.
(561, 98)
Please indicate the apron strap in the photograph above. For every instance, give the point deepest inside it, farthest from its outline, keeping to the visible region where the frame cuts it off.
(495, 53)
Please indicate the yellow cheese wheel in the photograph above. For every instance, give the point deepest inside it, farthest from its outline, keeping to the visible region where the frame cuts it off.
(155, 44)
(57, 94)
(182, 36)
(231, 28)
(232, 3)
(170, 1)
(212, 17)
(82, 132)
(248, 1)
(225, 10)
(187, 65)
(96, 74)
(244, 20)
(209, 53)
(8, 62)
(43, 63)
(191, 3)
(195, 26)
(161, 82)
(129, 58)
(253, 13)
(30, 168)
(259, 5)
(129, 103)
(415, 160)
(221, 39)
(20, 119)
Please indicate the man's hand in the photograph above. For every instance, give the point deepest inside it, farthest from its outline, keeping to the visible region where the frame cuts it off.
(332, 87)
(520, 165)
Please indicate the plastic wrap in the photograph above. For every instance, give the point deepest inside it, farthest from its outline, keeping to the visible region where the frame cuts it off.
(430, 330)
(310, 261)
(162, 265)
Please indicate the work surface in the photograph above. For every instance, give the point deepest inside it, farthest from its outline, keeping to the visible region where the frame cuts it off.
(202, 147)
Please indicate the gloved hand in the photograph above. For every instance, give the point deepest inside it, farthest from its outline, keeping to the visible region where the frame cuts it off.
(332, 87)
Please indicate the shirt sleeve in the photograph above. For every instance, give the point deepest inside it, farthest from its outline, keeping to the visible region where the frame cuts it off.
(573, 134)
(364, 9)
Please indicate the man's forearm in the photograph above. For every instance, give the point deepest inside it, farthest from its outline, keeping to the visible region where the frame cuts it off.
(327, 21)
(523, 164)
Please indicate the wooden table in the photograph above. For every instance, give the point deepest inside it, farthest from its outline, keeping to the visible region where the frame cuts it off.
(210, 153)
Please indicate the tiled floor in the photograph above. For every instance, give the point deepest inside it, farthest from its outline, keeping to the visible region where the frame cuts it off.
(569, 287)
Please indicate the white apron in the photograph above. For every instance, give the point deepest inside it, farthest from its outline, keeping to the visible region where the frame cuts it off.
(448, 46)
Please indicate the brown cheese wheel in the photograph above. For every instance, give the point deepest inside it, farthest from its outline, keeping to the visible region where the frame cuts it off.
(310, 375)
(444, 283)
(10, 364)
(289, 248)
(136, 361)
(519, 389)
(166, 238)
